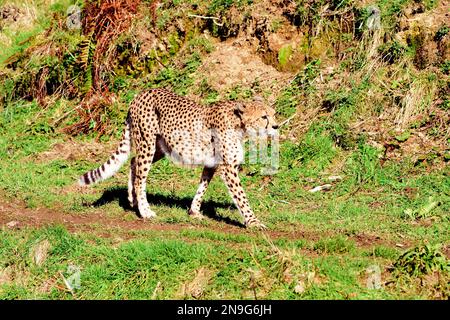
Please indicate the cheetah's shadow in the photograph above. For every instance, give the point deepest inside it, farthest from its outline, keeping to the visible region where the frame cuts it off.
(208, 207)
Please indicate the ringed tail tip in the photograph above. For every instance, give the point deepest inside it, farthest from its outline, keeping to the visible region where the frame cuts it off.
(82, 180)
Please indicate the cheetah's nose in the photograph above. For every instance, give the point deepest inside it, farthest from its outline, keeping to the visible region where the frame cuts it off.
(275, 127)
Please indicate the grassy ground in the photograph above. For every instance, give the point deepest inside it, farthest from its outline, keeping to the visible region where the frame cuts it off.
(370, 107)
(319, 246)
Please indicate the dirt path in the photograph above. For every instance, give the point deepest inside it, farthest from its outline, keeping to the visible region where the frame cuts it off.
(15, 215)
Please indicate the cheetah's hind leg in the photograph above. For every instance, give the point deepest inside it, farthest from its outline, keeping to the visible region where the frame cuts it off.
(144, 158)
(132, 199)
(207, 175)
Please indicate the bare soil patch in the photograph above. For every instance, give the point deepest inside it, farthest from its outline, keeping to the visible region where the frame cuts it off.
(233, 63)
(14, 215)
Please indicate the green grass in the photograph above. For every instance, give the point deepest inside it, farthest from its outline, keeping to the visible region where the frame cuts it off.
(133, 269)
(37, 20)
(369, 202)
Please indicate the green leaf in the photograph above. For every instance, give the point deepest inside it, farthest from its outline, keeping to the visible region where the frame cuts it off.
(403, 136)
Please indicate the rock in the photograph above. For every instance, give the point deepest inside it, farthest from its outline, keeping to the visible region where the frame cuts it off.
(300, 287)
(325, 187)
(13, 224)
(334, 178)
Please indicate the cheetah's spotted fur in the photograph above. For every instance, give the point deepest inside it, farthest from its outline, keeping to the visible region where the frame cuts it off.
(161, 123)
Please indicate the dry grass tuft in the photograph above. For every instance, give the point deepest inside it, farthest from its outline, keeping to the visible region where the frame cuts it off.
(417, 100)
(196, 287)
(39, 252)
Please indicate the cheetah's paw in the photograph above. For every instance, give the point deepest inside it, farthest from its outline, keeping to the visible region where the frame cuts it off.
(195, 215)
(255, 224)
(147, 213)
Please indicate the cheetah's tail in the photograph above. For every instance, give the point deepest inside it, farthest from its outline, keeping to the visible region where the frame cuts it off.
(110, 167)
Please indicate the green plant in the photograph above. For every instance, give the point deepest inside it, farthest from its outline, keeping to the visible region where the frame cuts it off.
(178, 79)
(445, 67)
(276, 25)
(364, 163)
(220, 6)
(334, 245)
(441, 33)
(309, 12)
(284, 54)
(421, 260)
(422, 212)
(391, 52)
(87, 50)
(430, 4)
(299, 88)
(390, 12)
(314, 153)
(402, 137)
(384, 252)
(201, 43)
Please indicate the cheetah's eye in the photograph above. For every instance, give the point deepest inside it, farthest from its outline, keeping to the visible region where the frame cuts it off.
(264, 117)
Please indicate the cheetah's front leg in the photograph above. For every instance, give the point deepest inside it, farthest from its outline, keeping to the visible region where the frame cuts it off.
(207, 175)
(229, 174)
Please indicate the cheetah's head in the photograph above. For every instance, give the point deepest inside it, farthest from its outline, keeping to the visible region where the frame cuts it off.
(257, 117)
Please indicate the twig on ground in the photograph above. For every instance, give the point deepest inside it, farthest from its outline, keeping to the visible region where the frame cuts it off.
(288, 120)
(155, 292)
(206, 18)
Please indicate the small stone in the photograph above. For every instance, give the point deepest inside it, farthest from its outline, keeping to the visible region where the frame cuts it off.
(13, 224)
(300, 287)
(325, 187)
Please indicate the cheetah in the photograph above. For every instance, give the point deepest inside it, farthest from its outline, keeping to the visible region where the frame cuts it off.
(161, 123)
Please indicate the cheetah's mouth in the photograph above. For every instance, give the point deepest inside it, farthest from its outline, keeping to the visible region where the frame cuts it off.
(267, 132)
(272, 132)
